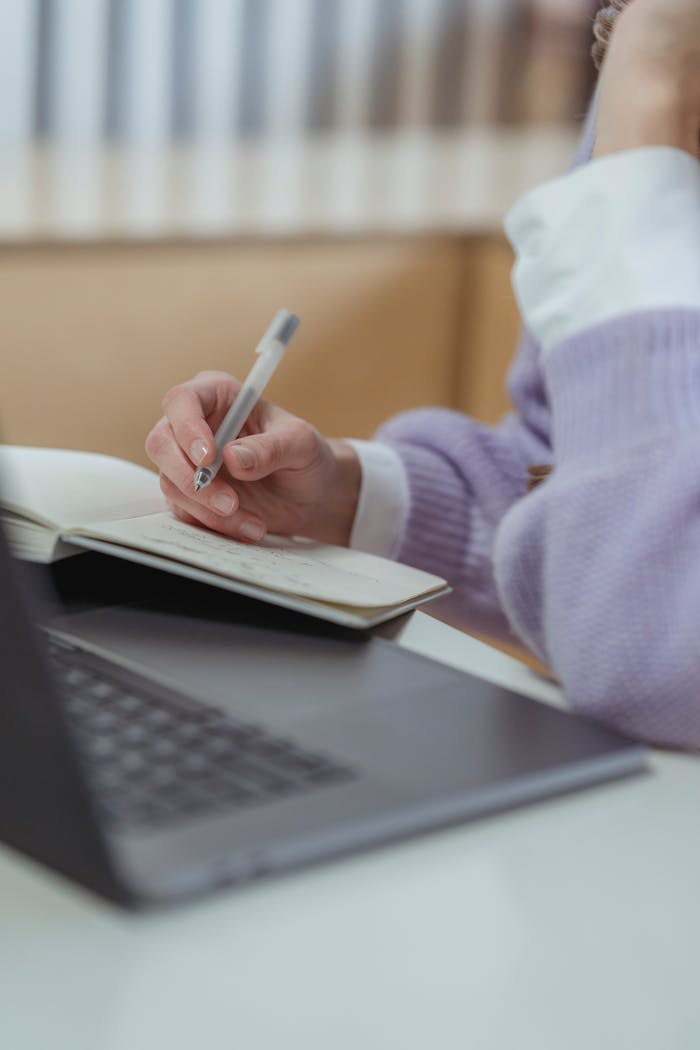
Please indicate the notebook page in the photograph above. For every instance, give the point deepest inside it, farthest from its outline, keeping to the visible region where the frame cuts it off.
(63, 488)
(290, 565)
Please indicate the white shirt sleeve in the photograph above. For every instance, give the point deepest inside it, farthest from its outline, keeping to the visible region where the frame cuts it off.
(621, 234)
(382, 508)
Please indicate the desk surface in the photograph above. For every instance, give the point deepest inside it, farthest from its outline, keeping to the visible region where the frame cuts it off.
(572, 924)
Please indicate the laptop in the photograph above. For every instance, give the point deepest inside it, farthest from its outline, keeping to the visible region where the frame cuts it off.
(157, 748)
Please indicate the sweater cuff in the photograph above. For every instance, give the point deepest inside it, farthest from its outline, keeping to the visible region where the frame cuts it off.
(382, 507)
(625, 383)
(619, 236)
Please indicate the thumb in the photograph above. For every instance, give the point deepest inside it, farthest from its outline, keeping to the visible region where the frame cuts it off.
(292, 445)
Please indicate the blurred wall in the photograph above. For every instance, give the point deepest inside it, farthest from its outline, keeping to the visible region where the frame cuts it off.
(152, 118)
(93, 336)
(172, 171)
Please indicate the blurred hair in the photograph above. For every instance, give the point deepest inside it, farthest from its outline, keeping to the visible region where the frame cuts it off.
(603, 28)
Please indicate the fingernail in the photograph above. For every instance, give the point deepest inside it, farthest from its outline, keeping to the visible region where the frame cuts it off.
(198, 450)
(245, 457)
(252, 531)
(222, 503)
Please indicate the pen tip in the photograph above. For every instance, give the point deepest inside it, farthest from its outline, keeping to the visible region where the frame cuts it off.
(197, 486)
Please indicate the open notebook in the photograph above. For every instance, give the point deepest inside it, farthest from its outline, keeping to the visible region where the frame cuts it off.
(55, 503)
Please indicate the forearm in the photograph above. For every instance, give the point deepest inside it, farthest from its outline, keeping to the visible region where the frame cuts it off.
(462, 478)
(649, 85)
(599, 569)
(653, 115)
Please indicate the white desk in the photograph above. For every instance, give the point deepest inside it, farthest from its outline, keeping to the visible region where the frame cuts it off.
(571, 925)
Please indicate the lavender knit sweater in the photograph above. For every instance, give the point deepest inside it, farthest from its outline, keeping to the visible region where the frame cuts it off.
(598, 570)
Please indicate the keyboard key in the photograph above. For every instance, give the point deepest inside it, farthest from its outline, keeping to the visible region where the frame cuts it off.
(155, 758)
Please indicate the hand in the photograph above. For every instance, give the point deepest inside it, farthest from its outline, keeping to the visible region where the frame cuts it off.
(280, 475)
(650, 81)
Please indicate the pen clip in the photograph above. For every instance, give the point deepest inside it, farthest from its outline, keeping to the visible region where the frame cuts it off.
(283, 326)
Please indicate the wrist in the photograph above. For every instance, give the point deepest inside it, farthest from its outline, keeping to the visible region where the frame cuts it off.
(647, 92)
(654, 115)
(340, 506)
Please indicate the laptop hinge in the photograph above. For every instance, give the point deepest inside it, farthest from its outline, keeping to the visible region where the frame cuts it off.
(46, 811)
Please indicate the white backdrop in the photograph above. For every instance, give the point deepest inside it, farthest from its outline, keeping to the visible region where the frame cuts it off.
(158, 117)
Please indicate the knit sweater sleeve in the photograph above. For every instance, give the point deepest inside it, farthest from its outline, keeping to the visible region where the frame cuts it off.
(462, 478)
(599, 568)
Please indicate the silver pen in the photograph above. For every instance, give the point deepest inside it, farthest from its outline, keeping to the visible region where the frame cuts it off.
(270, 351)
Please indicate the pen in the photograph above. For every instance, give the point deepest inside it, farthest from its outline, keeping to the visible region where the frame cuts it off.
(270, 351)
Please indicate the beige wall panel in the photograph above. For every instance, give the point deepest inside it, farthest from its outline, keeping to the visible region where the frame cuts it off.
(93, 335)
(489, 330)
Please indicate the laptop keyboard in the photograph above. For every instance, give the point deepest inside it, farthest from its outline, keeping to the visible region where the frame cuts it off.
(155, 757)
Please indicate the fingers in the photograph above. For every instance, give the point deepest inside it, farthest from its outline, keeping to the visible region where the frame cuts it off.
(293, 444)
(173, 465)
(194, 410)
(184, 437)
(239, 525)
